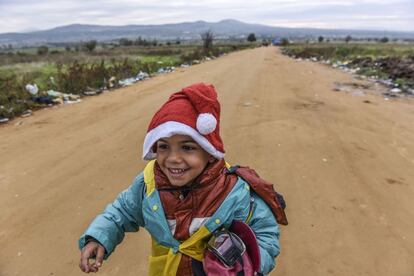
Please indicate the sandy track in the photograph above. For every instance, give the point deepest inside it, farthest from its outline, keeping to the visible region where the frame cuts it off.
(344, 166)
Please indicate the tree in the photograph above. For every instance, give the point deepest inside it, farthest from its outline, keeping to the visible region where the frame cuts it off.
(207, 38)
(68, 48)
(125, 42)
(284, 42)
(320, 39)
(42, 50)
(90, 45)
(384, 39)
(348, 38)
(251, 37)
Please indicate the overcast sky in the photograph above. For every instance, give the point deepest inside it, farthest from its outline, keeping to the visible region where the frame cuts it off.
(28, 15)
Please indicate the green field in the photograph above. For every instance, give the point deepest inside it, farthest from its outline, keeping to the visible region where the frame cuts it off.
(342, 50)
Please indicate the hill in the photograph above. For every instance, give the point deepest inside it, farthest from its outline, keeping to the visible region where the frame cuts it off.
(225, 29)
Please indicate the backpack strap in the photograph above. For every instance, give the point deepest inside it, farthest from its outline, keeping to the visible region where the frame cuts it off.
(263, 189)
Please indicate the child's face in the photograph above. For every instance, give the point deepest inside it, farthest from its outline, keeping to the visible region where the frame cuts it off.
(181, 159)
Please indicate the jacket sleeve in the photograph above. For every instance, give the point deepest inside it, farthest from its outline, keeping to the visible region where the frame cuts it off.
(267, 233)
(123, 215)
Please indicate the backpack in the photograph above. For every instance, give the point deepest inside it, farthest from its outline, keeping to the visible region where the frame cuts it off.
(265, 190)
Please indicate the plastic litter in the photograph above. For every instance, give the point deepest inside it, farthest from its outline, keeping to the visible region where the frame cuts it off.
(112, 82)
(395, 90)
(26, 113)
(90, 93)
(59, 97)
(3, 120)
(127, 82)
(43, 100)
(72, 102)
(166, 70)
(32, 89)
(142, 76)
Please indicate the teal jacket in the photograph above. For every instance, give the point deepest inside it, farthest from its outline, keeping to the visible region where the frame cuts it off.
(132, 210)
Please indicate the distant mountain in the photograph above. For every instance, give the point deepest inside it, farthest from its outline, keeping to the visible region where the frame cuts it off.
(185, 31)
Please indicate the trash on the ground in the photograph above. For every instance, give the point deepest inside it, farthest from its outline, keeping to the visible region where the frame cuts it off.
(26, 113)
(127, 82)
(90, 93)
(72, 102)
(32, 89)
(165, 70)
(3, 120)
(142, 76)
(59, 97)
(247, 104)
(43, 99)
(395, 90)
(184, 65)
(112, 82)
(54, 93)
(387, 82)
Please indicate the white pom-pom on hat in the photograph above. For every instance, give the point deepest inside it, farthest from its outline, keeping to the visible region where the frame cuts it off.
(206, 123)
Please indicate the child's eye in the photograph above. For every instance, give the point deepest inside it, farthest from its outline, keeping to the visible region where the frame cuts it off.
(188, 148)
(162, 146)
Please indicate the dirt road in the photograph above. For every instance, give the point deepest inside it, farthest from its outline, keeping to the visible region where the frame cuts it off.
(345, 166)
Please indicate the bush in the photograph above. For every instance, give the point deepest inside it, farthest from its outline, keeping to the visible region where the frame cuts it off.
(14, 100)
(251, 37)
(42, 50)
(90, 45)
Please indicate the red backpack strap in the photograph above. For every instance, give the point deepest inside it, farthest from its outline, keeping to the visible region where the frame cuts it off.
(265, 190)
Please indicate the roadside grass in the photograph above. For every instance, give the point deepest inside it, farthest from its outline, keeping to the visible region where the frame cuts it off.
(387, 61)
(77, 72)
(342, 50)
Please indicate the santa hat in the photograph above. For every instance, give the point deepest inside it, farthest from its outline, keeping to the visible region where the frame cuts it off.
(194, 111)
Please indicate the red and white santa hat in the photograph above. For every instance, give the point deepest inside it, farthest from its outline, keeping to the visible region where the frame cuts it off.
(194, 111)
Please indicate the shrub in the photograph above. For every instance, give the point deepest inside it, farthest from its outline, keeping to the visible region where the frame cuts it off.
(42, 50)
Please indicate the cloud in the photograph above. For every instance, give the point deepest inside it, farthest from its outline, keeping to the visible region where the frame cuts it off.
(19, 15)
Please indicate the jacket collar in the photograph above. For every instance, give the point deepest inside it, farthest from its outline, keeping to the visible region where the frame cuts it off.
(209, 176)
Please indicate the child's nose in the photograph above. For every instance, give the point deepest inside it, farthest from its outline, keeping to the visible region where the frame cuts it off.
(174, 157)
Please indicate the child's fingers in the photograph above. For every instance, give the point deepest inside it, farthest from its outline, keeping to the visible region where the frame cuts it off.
(99, 256)
(86, 254)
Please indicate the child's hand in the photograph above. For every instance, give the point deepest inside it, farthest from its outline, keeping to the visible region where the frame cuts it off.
(90, 251)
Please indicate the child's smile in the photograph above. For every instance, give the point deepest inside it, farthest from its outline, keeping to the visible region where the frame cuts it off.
(181, 159)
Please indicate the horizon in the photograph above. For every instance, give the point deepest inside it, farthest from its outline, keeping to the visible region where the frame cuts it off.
(380, 15)
(172, 23)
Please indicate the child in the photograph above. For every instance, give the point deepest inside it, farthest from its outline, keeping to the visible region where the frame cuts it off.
(184, 195)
